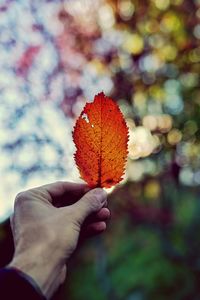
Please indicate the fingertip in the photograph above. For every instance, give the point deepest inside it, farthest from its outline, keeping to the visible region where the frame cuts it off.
(95, 228)
(99, 226)
(103, 214)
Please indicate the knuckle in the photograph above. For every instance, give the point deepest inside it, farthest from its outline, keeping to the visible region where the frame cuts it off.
(20, 198)
(76, 225)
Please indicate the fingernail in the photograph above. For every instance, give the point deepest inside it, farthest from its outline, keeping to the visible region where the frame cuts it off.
(101, 194)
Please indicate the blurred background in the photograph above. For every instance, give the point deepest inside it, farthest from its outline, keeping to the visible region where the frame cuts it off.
(145, 54)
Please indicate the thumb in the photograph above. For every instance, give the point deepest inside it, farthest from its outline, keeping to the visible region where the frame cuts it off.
(91, 202)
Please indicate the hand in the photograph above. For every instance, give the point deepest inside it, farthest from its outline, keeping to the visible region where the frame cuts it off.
(46, 231)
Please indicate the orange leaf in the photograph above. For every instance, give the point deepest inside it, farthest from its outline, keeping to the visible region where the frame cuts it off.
(101, 137)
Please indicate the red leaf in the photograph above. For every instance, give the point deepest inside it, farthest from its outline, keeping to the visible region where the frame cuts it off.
(101, 137)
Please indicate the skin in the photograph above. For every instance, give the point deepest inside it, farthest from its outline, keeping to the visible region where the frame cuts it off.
(47, 224)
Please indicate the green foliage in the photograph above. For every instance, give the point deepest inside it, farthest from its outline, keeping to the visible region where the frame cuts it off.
(84, 284)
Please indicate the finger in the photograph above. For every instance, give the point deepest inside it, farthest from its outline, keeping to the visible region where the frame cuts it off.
(65, 193)
(95, 228)
(90, 203)
(59, 188)
(92, 230)
(102, 215)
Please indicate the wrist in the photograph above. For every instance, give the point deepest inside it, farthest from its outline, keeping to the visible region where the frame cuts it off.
(47, 275)
(24, 283)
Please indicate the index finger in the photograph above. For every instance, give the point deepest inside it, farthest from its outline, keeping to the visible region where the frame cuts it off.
(65, 193)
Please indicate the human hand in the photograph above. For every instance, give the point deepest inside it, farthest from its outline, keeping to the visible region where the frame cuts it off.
(46, 231)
